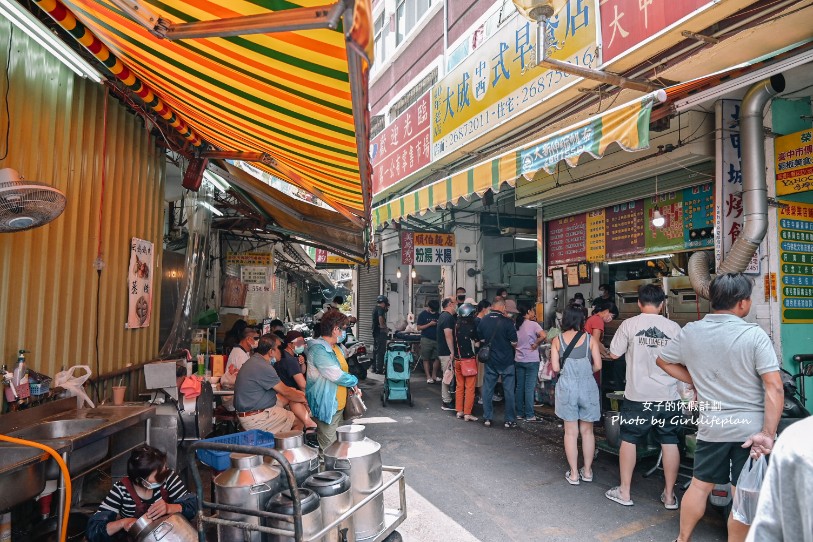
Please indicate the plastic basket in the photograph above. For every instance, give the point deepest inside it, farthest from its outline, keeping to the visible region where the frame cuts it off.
(39, 384)
(220, 460)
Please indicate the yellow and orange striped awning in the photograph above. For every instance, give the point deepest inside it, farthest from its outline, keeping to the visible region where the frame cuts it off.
(285, 94)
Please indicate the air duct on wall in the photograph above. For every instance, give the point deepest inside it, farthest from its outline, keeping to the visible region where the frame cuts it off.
(754, 189)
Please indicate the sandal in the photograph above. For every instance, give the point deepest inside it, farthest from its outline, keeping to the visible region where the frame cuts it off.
(459, 415)
(583, 477)
(510, 425)
(470, 418)
(570, 480)
(672, 506)
(614, 494)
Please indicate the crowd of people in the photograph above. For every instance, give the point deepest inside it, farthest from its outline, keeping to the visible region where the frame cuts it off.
(281, 383)
(741, 392)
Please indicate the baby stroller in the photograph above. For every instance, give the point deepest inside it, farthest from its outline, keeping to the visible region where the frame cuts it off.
(396, 382)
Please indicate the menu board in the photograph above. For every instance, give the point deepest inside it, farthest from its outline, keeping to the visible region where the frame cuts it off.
(796, 262)
(566, 240)
(625, 229)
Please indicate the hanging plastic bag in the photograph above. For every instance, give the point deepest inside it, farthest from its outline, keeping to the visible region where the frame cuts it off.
(746, 496)
(75, 385)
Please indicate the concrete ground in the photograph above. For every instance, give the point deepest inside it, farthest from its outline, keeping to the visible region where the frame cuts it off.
(467, 482)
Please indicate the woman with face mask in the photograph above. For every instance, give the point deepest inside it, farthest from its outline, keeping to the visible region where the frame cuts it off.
(327, 377)
(291, 367)
(149, 489)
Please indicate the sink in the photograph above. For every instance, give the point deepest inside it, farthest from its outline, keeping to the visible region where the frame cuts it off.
(80, 459)
(23, 471)
(57, 429)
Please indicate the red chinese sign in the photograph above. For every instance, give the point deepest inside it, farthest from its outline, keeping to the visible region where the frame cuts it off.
(625, 229)
(626, 23)
(403, 147)
(567, 239)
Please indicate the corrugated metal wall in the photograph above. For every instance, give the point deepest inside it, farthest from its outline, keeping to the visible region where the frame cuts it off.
(47, 281)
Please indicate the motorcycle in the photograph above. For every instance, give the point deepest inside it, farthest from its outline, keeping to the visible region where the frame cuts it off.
(358, 360)
(792, 411)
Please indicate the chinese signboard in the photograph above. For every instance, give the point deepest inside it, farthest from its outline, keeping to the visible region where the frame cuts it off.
(794, 163)
(497, 82)
(252, 274)
(425, 248)
(250, 258)
(566, 239)
(403, 147)
(325, 257)
(796, 262)
(139, 283)
(729, 182)
(627, 23)
(625, 229)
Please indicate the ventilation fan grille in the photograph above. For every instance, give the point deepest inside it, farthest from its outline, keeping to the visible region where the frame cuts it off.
(25, 205)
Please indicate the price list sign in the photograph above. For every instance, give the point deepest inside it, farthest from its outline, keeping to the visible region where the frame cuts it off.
(625, 229)
(796, 262)
(566, 240)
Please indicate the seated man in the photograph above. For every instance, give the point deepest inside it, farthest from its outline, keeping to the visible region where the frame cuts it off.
(260, 397)
(291, 368)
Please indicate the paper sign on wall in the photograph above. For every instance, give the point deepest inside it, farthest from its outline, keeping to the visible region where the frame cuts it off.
(139, 283)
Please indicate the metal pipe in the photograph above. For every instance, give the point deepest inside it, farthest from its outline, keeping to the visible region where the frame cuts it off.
(581, 71)
(754, 189)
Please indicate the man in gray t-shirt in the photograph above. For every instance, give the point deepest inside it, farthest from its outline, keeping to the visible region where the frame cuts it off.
(734, 368)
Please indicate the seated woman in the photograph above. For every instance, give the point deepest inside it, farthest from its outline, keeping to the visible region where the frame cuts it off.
(149, 488)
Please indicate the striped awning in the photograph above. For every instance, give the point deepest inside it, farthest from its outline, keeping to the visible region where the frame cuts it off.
(284, 95)
(626, 125)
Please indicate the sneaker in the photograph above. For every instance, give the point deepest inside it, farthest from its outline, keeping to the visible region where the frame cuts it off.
(533, 419)
(430, 381)
(510, 425)
(479, 400)
(497, 398)
(447, 406)
(520, 418)
(487, 423)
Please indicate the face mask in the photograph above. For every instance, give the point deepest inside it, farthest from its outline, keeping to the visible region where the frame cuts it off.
(342, 337)
(299, 349)
(150, 485)
(461, 298)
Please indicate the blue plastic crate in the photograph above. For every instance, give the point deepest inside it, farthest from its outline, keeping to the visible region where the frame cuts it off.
(220, 460)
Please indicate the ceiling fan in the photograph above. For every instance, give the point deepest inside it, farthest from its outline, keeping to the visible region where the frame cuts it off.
(25, 205)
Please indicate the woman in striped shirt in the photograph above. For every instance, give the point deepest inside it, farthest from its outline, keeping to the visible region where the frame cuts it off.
(150, 489)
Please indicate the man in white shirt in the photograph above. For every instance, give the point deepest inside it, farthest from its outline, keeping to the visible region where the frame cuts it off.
(238, 356)
(651, 400)
(733, 366)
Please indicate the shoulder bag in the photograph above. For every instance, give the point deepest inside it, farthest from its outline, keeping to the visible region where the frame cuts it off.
(468, 366)
(569, 349)
(484, 353)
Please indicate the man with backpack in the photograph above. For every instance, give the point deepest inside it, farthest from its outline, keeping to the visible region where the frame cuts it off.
(499, 335)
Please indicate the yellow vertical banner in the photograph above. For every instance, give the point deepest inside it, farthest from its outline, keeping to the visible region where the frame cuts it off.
(595, 236)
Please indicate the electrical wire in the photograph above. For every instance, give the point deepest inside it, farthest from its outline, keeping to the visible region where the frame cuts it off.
(8, 89)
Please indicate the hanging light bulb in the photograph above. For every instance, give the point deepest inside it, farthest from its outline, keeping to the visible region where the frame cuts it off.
(414, 273)
(596, 268)
(658, 219)
(398, 273)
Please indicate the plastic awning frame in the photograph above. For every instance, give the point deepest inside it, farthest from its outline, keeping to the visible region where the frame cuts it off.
(626, 125)
(283, 81)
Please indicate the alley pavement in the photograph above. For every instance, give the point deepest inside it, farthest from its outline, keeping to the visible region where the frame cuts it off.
(468, 482)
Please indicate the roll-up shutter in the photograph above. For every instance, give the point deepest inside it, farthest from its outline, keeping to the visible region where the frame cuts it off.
(676, 180)
(368, 289)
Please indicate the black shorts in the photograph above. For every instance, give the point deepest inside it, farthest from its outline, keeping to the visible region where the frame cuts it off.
(719, 462)
(638, 418)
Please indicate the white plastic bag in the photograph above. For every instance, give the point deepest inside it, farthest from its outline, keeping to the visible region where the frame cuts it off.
(744, 508)
(74, 385)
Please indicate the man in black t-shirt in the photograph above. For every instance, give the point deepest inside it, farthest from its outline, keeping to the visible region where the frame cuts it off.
(498, 332)
(427, 325)
(291, 367)
(446, 345)
(380, 332)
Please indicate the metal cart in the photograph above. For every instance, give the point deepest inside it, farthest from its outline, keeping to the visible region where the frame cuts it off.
(392, 517)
